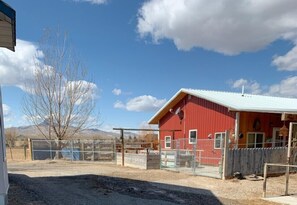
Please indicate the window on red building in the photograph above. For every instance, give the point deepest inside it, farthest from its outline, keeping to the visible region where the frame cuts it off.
(219, 140)
(255, 139)
(192, 136)
(167, 141)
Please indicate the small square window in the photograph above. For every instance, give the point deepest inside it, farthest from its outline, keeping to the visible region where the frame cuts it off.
(219, 140)
(167, 141)
(192, 136)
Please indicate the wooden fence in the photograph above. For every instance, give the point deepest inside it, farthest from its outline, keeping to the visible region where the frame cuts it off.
(251, 160)
(18, 154)
(141, 160)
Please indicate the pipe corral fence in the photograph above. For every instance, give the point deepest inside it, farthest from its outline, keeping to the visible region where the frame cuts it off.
(287, 166)
(197, 158)
(74, 150)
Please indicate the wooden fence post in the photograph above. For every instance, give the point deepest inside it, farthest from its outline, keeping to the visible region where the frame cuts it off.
(265, 180)
(123, 148)
(225, 155)
(30, 149)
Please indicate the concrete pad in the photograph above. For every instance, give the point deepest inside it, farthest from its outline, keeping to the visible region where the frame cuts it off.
(289, 200)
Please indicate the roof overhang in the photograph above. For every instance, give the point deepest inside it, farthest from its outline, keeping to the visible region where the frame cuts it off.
(7, 26)
(170, 104)
(231, 106)
(264, 111)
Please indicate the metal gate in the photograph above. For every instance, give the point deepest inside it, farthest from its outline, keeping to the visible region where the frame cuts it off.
(199, 158)
(74, 150)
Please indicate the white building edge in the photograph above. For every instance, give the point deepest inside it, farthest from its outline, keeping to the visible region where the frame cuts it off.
(7, 40)
(3, 164)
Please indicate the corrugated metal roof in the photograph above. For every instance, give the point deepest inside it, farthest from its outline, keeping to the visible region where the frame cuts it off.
(234, 101)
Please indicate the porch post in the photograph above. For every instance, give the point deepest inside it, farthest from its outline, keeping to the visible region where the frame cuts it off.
(236, 130)
(288, 159)
(225, 155)
(123, 148)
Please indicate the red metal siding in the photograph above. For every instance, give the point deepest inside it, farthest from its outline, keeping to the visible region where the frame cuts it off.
(205, 116)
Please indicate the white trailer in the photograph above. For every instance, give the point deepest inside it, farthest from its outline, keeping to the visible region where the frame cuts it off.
(7, 40)
(3, 164)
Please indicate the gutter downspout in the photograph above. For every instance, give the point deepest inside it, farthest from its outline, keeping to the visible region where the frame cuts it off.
(185, 118)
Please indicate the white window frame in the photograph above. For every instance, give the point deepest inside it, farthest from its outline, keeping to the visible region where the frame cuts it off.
(255, 143)
(275, 141)
(193, 130)
(222, 135)
(165, 142)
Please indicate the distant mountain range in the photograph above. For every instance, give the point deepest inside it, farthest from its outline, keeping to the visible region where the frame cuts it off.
(32, 132)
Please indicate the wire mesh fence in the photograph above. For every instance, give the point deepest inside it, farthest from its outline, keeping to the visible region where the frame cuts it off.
(74, 150)
(198, 158)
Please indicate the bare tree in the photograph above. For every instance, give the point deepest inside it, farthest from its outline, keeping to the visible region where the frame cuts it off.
(10, 137)
(144, 132)
(59, 94)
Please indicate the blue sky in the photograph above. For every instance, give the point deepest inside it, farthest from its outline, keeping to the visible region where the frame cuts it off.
(140, 53)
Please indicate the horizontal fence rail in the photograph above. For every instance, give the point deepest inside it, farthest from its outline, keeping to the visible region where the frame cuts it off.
(266, 144)
(287, 166)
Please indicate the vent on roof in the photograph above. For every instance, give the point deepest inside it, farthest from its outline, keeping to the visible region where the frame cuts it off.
(242, 91)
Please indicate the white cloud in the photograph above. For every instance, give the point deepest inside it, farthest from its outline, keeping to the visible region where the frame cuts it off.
(119, 104)
(287, 62)
(17, 68)
(141, 103)
(93, 1)
(239, 83)
(7, 115)
(6, 110)
(250, 86)
(226, 26)
(116, 91)
(145, 125)
(286, 88)
(85, 91)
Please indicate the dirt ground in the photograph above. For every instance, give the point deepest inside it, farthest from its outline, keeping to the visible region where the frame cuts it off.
(63, 182)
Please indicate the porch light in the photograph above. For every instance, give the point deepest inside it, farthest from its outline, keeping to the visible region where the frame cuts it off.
(283, 131)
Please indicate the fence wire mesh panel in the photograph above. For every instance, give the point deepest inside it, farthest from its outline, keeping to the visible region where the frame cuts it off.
(74, 150)
(199, 158)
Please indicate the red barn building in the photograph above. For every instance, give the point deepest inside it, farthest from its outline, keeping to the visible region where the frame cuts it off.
(252, 120)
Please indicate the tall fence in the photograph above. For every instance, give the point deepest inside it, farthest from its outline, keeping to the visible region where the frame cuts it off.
(198, 158)
(251, 160)
(75, 150)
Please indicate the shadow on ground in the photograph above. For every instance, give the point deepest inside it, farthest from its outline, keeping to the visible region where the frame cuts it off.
(96, 189)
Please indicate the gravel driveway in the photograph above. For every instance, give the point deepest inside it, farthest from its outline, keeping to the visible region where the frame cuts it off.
(62, 182)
